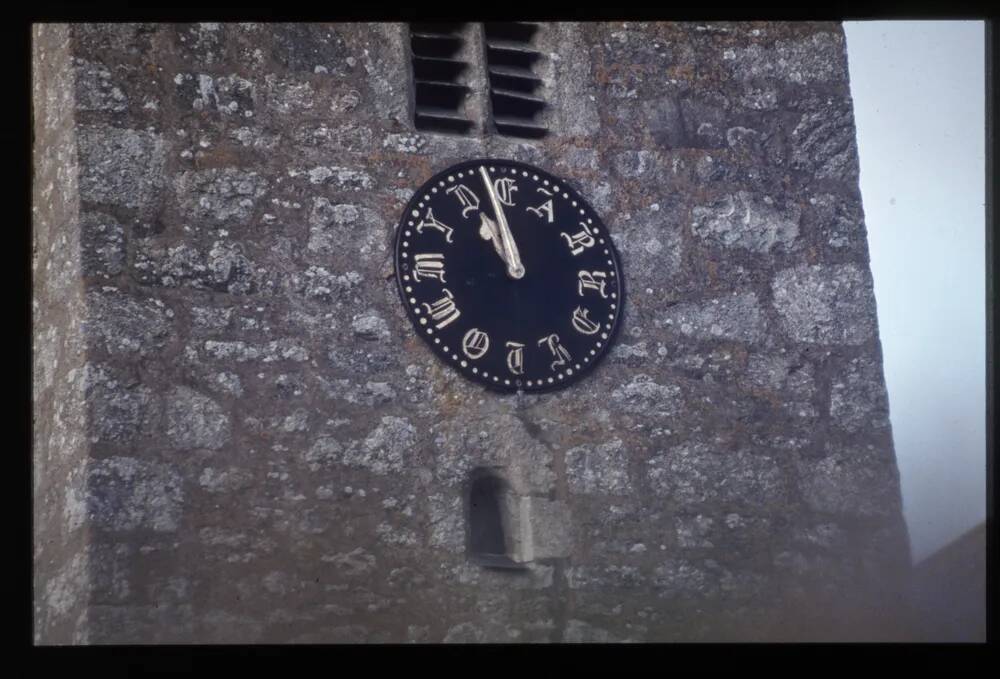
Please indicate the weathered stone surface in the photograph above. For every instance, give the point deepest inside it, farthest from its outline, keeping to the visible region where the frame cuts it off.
(831, 304)
(120, 166)
(580, 632)
(210, 318)
(337, 176)
(464, 633)
(123, 325)
(225, 627)
(239, 439)
(494, 439)
(303, 47)
(227, 95)
(840, 221)
(229, 383)
(219, 195)
(664, 122)
(550, 523)
(369, 394)
(137, 624)
(60, 445)
(680, 577)
(651, 246)
(745, 535)
(195, 421)
(827, 536)
(771, 372)
(68, 587)
(788, 378)
(356, 562)
(125, 493)
(643, 396)
(334, 226)
(823, 143)
(325, 451)
(370, 326)
(695, 531)
(96, 88)
(818, 58)
(737, 316)
(386, 448)
(117, 411)
(405, 143)
(746, 221)
(201, 41)
(704, 121)
(447, 526)
(572, 79)
(103, 246)
(850, 480)
(285, 349)
(633, 163)
(222, 266)
(858, 399)
(688, 474)
(214, 480)
(110, 577)
(602, 468)
(606, 577)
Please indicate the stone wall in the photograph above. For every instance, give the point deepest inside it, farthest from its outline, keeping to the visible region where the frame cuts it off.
(266, 452)
(60, 374)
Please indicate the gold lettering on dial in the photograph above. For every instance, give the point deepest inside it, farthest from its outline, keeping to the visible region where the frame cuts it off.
(428, 265)
(579, 241)
(465, 195)
(475, 343)
(504, 187)
(582, 322)
(429, 221)
(545, 207)
(559, 352)
(589, 281)
(443, 311)
(515, 357)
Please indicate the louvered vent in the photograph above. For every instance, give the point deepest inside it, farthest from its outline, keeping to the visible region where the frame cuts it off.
(515, 88)
(438, 72)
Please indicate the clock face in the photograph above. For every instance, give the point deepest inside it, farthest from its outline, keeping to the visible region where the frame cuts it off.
(509, 275)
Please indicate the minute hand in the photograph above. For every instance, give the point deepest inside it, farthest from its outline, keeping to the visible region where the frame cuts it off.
(514, 267)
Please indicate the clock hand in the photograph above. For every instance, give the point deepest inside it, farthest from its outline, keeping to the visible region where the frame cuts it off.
(515, 269)
(489, 230)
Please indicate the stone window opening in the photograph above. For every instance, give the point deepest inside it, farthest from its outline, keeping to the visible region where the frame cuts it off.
(439, 64)
(484, 77)
(517, 107)
(493, 521)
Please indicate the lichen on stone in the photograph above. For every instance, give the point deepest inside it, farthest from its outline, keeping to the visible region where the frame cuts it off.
(121, 166)
(746, 221)
(195, 421)
(737, 316)
(602, 468)
(125, 493)
(826, 304)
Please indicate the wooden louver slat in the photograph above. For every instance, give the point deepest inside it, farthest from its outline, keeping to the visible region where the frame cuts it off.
(517, 105)
(438, 90)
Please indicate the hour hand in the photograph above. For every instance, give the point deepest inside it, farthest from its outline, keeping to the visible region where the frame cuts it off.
(489, 230)
(514, 267)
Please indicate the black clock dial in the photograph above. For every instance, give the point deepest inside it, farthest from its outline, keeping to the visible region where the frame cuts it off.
(509, 275)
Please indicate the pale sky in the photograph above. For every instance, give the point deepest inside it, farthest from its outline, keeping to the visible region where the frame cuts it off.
(918, 90)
